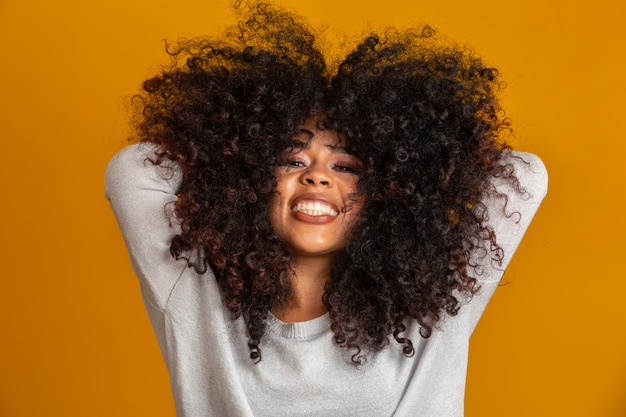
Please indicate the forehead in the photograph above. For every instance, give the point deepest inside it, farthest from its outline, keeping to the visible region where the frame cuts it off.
(313, 130)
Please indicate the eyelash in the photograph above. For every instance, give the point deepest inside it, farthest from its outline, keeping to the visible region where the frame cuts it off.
(340, 166)
(346, 168)
(292, 162)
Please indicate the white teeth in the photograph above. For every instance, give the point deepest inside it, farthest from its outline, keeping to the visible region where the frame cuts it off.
(315, 209)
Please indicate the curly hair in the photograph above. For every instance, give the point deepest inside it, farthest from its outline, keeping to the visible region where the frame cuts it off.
(421, 114)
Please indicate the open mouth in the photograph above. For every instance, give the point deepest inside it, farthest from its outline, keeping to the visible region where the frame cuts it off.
(315, 209)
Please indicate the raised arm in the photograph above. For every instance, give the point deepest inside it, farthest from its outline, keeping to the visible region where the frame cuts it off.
(141, 194)
(509, 219)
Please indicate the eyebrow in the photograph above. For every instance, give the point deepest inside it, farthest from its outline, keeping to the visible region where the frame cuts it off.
(335, 149)
(339, 149)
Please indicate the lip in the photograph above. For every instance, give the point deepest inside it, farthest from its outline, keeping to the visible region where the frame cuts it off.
(314, 198)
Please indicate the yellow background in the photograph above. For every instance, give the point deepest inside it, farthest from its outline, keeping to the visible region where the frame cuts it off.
(75, 340)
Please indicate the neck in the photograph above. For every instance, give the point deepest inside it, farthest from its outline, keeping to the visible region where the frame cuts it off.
(308, 282)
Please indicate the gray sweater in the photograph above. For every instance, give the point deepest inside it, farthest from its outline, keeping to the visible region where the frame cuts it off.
(303, 372)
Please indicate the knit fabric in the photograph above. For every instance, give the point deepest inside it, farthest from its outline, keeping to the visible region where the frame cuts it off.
(303, 372)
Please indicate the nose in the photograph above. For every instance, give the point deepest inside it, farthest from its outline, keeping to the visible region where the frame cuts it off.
(316, 176)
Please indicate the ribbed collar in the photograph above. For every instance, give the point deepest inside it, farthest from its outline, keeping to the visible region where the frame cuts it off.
(299, 330)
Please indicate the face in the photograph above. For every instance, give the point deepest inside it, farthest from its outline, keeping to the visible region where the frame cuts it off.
(315, 209)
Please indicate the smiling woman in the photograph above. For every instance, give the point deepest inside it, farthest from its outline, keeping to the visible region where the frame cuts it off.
(313, 241)
(316, 207)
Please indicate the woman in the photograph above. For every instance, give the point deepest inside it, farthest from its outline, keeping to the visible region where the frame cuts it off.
(320, 241)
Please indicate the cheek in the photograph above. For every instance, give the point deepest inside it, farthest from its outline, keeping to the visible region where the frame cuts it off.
(354, 200)
(278, 210)
(284, 183)
(353, 212)
(356, 210)
(358, 206)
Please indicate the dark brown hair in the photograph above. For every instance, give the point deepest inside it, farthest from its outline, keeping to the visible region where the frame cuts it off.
(423, 117)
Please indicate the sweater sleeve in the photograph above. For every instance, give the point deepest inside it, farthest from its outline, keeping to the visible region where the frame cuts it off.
(509, 217)
(140, 194)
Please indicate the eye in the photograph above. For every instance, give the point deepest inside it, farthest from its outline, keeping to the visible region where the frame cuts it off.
(294, 163)
(350, 165)
(345, 168)
(291, 160)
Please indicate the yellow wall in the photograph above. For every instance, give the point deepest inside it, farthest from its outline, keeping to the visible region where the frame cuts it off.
(75, 339)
